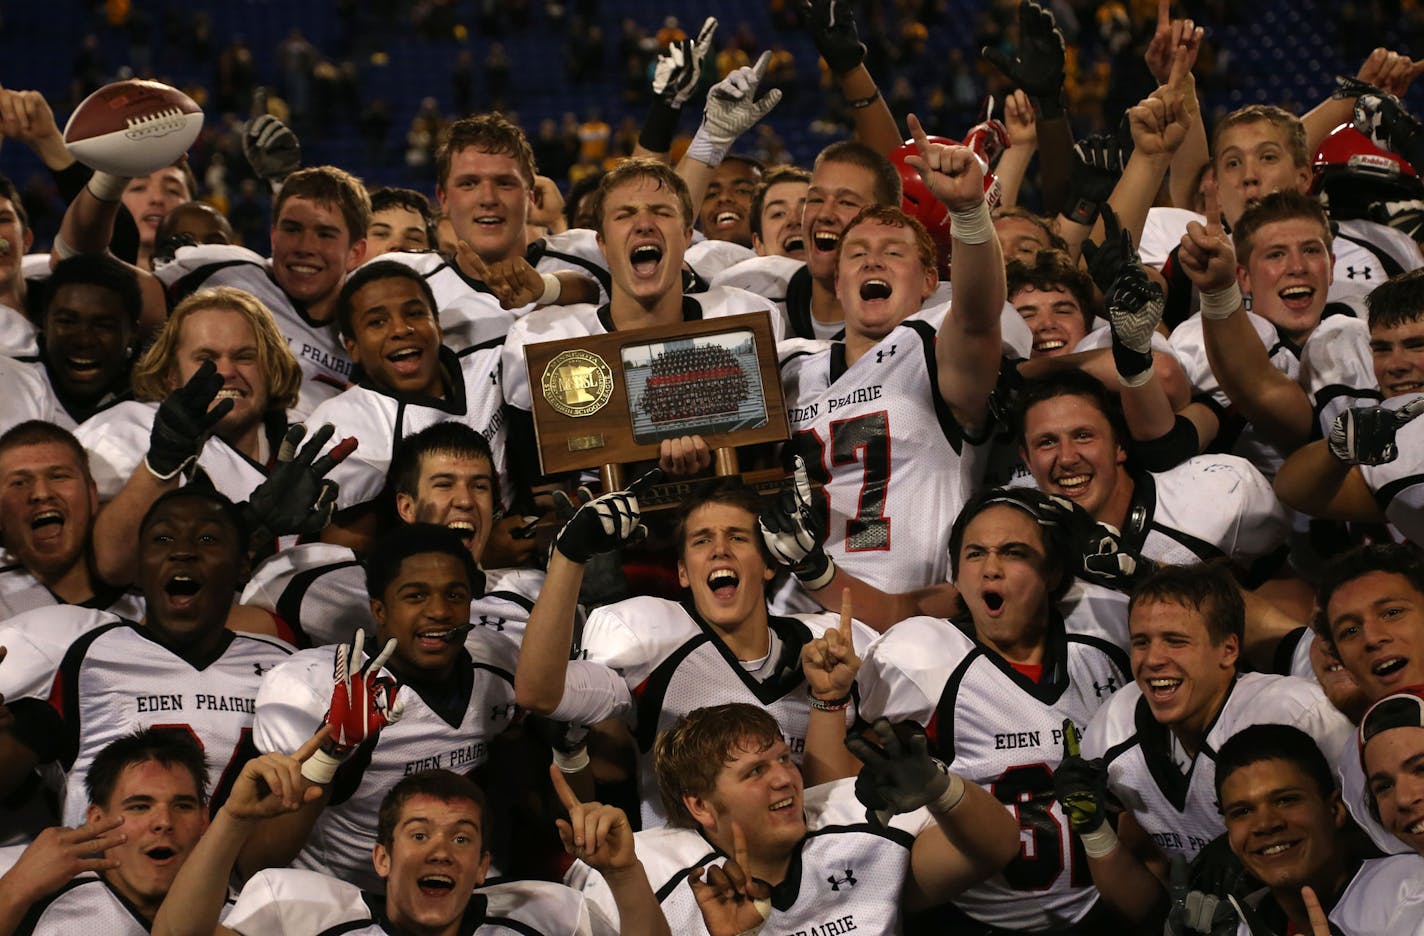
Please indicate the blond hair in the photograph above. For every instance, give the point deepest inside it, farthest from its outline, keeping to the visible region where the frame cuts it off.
(156, 371)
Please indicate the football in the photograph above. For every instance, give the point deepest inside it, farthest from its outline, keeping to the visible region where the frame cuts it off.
(134, 127)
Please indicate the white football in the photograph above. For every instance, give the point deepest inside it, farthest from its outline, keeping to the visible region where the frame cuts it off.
(132, 128)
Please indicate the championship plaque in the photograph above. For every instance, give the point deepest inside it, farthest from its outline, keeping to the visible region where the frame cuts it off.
(604, 401)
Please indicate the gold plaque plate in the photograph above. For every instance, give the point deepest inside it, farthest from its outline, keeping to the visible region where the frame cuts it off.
(577, 383)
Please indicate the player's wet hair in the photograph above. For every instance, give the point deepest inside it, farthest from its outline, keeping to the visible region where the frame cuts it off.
(637, 168)
(729, 491)
(40, 432)
(690, 753)
(170, 747)
(332, 187)
(377, 270)
(1256, 743)
(157, 369)
(383, 565)
(894, 217)
(775, 176)
(888, 187)
(439, 784)
(202, 492)
(1072, 382)
(1052, 271)
(102, 271)
(1206, 588)
(1291, 129)
(1285, 205)
(489, 133)
(1015, 213)
(8, 190)
(1397, 301)
(409, 199)
(1035, 503)
(1390, 558)
(442, 438)
(583, 189)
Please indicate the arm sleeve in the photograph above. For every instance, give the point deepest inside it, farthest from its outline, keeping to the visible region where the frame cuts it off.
(592, 693)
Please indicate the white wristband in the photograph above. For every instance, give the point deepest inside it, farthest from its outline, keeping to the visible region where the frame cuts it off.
(573, 761)
(1222, 303)
(1136, 380)
(106, 187)
(1099, 842)
(973, 225)
(320, 768)
(950, 797)
(763, 906)
(61, 249)
(552, 289)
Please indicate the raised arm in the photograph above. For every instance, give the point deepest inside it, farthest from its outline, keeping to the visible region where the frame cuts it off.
(676, 77)
(1194, 152)
(967, 352)
(732, 109)
(268, 786)
(832, 27)
(601, 525)
(1269, 399)
(1391, 72)
(1022, 126)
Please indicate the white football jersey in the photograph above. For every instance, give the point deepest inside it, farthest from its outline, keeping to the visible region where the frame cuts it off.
(319, 591)
(20, 592)
(896, 466)
(1368, 253)
(1162, 234)
(28, 395)
(1177, 807)
(117, 441)
(709, 258)
(1384, 898)
(673, 662)
(443, 727)
(292, 902)
(575, 321)
(379, 419)
(17, 334)
(996, 728)
(326, 367)
(1337, 368)
(1207, 507)
(1190, 344)
(98, 678)
(846, 876)
(1399, 485)
(90, 905)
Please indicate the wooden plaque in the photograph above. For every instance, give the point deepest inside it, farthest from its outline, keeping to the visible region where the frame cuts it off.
(610, 399)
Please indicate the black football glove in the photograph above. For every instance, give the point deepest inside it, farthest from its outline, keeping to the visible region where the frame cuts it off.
(271, 148)
(296, 499)
(899, 775)
(832, 27)
(183, 422)
(1364, 435)
(1098, 161)
(1194, 912)
(1037, 66)
(603, 524)
(1080, 785)
(1383, 119)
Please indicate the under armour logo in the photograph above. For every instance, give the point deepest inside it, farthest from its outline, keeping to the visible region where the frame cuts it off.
(497, 623)
(259, 669)
(1362, 274)
(501, 711)
(1108, 688)
(880, 357)
(848, 880)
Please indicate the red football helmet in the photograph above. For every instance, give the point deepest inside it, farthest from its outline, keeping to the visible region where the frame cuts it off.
(1351, 174)
(987, 140)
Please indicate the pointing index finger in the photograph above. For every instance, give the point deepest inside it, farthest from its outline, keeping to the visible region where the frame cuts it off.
(468, 256)
(1071, 746)
(562, 788)
(847, 612)
(917, 132)
(312, 744)
(1213, 212)
(1164, 13)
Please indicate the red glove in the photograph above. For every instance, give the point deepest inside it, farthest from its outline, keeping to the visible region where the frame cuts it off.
(362, 703)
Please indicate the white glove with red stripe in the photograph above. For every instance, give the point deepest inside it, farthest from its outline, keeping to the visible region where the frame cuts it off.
(362, 703)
